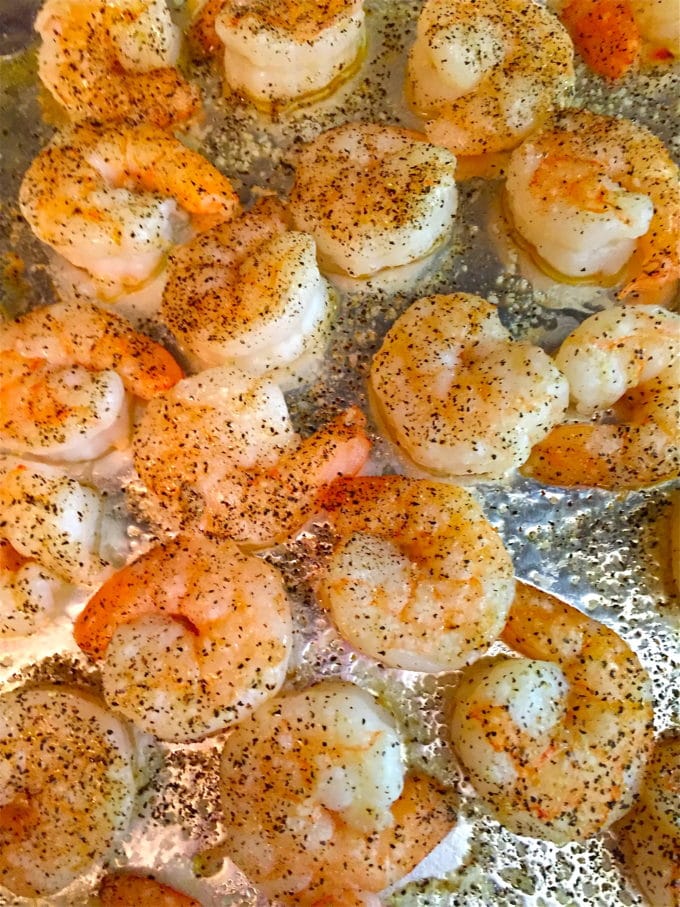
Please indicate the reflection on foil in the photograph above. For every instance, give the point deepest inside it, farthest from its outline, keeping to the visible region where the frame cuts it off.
(607, 554)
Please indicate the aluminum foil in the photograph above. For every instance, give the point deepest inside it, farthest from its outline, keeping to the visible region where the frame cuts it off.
(607, 554)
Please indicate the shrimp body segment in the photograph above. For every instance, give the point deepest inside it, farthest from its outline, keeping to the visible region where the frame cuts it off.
(114, 60)
(115, 202)
(614, 36)
(221, 445)
(192, 636)
(53, 520)
(126, 889)
(373, 197)
(485, 74)
(650, 834)
(289, 51)
(318, 801)
(30, 595)
(68, 781)
(247, 292)
(419, 580)
(598, 197)
(457, 394)
(66, 371)
(626, 359)
(556, 741)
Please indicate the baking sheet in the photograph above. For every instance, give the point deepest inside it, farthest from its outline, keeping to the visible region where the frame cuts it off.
(604, 553)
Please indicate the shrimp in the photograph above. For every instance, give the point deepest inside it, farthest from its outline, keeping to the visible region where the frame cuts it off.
(126, 890)
(66, 373)
(114, 202)
(419, 580)
(555, 742)
(373, 197)
(30, 595)
(598, 198)
(68, 781)
(114, 60)
(248, 292)
(650, 834)
(628, 359)
(484, 74)
(220, 447)
(190, 637)
(318, 803)
(287, 53)
(615, 36)
(457, 394)
(54, 520)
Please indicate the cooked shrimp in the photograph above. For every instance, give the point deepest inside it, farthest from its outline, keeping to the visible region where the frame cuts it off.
(486, 73)
(114, 202)
(128, 890)
(221, 445)
(626, 359)
(292, 51)
(114, 60)
(598, 197)
(30, 595)
(613, 36)
(457, 394)
(191, 637)
(373, 197)
(54, 520)
(68, 780)
(66, 372)
(419, 580)
(555, 742)
(650, 834)
(248, 292)
(659, 26)
(318, 803)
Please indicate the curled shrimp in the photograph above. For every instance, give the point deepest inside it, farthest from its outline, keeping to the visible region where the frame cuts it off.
(54, 520)
(220, 447)
(318, 803)
(626, 359)
(650, 834)
(419, 580)
(247, 292)
(287, 53)
(190, 637)
(114, 60)
(114, 202)
(598, 198)
(373, 197)
(127, 889)
(68, 782)
(615, 36)
(483, 75)
(457, 394)
(556, 741)
(66, 371)
(30, 595)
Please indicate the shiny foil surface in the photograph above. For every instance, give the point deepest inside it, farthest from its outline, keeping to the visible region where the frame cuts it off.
(608, 554)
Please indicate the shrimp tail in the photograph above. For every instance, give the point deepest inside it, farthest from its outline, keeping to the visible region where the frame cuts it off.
(161, 97)
(605, 34)
(202, 35)
(339, 448)
(614, 457)
(278, 502)
(117, 602)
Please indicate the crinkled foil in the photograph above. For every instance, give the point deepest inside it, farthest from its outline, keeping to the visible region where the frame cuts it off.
(607, 554)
